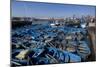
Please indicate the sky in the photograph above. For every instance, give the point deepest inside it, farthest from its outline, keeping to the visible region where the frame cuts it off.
(37, 9)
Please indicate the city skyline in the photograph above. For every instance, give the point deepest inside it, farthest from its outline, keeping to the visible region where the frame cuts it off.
(38, 10)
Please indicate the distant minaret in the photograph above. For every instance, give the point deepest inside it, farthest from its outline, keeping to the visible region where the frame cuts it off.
(74, 17)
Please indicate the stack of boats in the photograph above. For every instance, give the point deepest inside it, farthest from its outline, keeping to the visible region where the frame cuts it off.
(44, 44)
